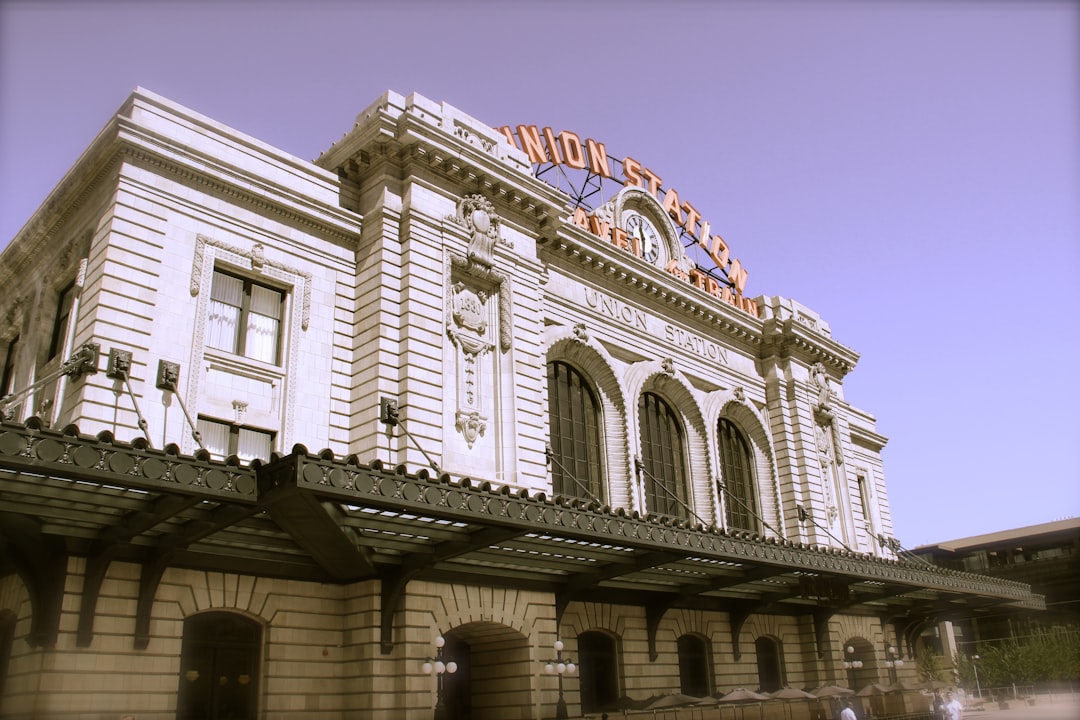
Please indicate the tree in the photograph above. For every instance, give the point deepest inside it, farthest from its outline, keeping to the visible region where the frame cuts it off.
(1046, 656)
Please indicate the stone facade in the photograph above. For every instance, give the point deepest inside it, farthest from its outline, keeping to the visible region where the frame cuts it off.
(417, 261)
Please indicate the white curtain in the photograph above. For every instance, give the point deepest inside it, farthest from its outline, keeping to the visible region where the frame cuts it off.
(264, 323)
(253, 444)
(226, 298)
(215, 437)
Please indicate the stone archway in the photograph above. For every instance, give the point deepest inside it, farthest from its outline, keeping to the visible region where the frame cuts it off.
(861, 665)
(492, 681)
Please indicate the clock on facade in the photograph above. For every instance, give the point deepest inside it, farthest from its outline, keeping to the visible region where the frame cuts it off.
(639, 227)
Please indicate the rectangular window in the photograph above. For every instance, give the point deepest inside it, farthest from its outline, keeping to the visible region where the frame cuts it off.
(225, 439)
(63, 317)
(245, 318)
(7, 383)
(864, 496)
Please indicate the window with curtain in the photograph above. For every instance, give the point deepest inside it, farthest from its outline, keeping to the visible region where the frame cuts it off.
(576, 467)
(662, 457)
(225, 439)
(737, 475)
(245, 318)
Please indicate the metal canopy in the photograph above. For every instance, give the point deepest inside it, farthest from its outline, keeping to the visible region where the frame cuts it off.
(327, 519)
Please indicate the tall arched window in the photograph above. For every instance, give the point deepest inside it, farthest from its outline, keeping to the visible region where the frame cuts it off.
(576, 467)
(662, 457)
(219, 668)
(770, 663)
(737, 475)
(599, 671)
(695, 666)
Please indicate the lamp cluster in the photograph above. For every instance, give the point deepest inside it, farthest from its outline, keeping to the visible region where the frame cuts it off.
(851, 663)
(559, 665)
(892, 659)
(437, 663)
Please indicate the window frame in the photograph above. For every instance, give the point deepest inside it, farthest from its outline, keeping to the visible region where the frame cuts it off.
(578, 456)
(7, 377)
(695, 658)
(62, 319)
(663, 456)
(737, 475)
(234, 435)
(240, 334)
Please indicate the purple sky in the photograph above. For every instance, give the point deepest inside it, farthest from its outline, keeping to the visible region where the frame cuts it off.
(907, 169)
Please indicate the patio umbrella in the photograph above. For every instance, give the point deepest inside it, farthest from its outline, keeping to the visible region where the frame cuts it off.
(790, 693)
(875, 689)
(742, 695)
(830, 691)
(907, 686)
(673, 700)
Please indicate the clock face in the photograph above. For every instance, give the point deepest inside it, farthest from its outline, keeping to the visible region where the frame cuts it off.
(648, 238)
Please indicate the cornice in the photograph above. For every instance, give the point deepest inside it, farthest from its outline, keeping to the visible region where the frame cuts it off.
(138, 144)
(69, 196)
(618, 266)
(789, 338)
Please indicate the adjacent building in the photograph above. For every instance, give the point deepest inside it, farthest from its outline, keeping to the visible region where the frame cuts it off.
(282, 439)
(1045, 556)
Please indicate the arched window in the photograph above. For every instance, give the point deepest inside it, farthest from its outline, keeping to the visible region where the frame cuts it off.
(219, 668)
(770, 663)
(737, 475)
(599, 671)
(576, 467)
(662, 457)
(695, 666)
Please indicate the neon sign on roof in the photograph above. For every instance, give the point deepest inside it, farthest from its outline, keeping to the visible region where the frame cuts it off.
(567, 149)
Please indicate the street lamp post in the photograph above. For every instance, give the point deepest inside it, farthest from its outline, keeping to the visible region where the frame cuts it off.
(893, 661)
(851, 664)
(440, 665)
(975, 669)
(559, 666)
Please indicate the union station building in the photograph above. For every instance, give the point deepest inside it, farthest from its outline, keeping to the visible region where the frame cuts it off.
(283, 439)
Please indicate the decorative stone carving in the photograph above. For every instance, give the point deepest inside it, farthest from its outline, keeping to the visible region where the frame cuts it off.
(581, 332)
(828, 444)
(821, 381)
(258, 256)
(476, 214)
(668, 366)
(468, 328)
(739, 393)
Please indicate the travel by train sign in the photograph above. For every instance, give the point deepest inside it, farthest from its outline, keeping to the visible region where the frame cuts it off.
(566, 149)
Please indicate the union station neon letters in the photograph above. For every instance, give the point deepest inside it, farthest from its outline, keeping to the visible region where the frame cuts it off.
(566, 148)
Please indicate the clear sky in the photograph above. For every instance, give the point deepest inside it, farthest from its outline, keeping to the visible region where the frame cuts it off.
(909, 170)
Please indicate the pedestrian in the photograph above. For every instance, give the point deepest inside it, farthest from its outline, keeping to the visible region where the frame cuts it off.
(953, 707)
(848, 713)
(939, 706)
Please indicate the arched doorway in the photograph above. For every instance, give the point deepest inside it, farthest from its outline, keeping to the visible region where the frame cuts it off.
(219, 668)
(492, 679)
(860, 663)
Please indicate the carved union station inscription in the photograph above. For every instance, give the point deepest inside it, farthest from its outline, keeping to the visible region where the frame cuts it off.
(636, 318)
